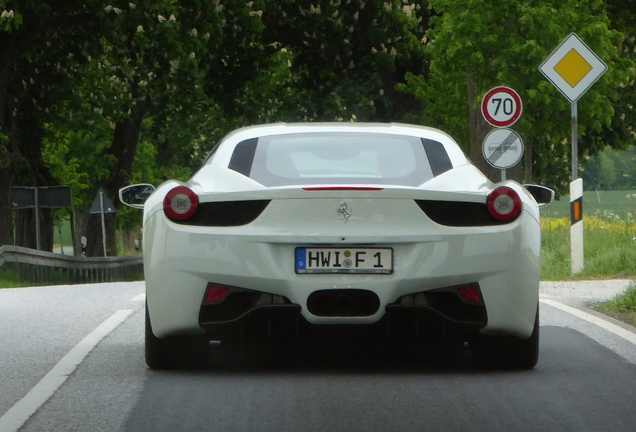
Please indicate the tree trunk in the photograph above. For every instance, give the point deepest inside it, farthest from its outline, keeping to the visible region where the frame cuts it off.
(125, 142)
(6, 206)
(29, 135)
(527, 161)
(129, 237)
(8, 53)
(26, 229)
(479, 128)
(90, 226)
(124, 148)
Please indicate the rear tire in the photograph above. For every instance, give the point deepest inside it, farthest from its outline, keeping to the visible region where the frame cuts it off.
(174, 352)
(508, 352)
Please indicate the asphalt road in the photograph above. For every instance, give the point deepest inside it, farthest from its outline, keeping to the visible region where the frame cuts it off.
(585, 380)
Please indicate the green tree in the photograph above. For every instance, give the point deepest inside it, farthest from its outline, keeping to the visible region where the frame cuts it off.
(348, 56)
(96, 94)
(148, 68)
(141, 60)
(38, 41)
(619, 133)
(480, 44)
(611, 169)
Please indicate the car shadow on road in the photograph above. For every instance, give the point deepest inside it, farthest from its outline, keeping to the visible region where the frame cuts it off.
(341, 359)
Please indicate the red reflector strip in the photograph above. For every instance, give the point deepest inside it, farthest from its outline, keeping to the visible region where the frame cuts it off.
(342, 188)
(216, 294)
(470, 294)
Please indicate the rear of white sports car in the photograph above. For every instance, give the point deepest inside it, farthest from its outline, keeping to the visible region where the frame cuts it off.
(338, 233)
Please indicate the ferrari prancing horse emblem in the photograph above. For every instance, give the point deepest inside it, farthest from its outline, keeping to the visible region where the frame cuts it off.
(344, 211)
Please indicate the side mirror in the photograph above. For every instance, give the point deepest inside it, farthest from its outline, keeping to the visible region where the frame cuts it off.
(136, 195)
(541, 194)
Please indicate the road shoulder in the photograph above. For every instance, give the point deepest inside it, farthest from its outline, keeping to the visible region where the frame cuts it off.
(558, 297)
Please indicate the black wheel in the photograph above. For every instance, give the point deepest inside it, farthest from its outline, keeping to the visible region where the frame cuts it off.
(175, 352)
(508, 352)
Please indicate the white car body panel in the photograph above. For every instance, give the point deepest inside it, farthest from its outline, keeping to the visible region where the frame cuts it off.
(180, 260)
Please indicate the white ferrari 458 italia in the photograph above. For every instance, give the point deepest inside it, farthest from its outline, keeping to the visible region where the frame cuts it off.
(340, 233)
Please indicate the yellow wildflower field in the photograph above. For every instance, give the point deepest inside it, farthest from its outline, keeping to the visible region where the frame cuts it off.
(609, 248)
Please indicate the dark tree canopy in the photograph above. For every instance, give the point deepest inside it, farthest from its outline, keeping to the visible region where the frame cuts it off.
(97, 94)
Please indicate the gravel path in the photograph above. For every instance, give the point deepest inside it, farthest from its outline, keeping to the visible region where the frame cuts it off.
(593, 291)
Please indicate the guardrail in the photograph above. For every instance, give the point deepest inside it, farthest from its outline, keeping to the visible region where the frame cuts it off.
(47, 268)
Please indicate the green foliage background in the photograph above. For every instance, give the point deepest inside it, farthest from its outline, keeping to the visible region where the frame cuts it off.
(97, 94)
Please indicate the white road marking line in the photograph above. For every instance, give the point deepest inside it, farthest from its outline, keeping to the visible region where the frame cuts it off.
(13, 419)
(140, 297)
(617, 330)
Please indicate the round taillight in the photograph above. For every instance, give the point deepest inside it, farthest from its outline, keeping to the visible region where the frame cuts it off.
(504, 203)
(181, 203)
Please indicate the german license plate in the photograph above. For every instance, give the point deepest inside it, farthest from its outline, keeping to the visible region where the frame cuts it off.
(344, 260)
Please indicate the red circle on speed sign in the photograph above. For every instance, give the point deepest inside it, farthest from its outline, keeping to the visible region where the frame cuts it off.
(501, 107)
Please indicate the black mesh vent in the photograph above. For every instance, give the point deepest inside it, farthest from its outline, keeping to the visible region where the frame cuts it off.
(459, 214)
(226, 213)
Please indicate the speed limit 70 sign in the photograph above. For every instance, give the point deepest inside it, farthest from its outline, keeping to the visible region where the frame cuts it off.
(501, 107)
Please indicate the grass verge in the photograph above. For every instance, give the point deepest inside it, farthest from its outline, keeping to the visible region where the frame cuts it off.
(610, 249)
(10, 279)
(610, 253)
(622, 307)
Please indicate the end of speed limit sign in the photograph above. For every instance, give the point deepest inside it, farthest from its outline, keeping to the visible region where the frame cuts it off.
(501, 107)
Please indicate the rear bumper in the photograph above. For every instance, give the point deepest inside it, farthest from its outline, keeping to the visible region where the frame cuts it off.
(181, 261)
(401, 324)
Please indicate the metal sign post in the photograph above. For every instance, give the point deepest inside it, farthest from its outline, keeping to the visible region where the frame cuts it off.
(101, 212)
(575, 141)
(38, 245)
(573, 68)
(40, 197)
(102, 205)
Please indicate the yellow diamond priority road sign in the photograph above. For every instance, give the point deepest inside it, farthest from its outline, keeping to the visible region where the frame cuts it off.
(573, 67)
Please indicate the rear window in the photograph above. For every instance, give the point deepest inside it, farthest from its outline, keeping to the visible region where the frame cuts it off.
(340, 158)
